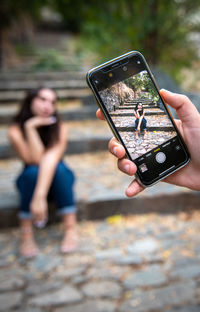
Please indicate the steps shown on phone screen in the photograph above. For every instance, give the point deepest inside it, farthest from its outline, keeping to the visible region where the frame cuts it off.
(159, 127)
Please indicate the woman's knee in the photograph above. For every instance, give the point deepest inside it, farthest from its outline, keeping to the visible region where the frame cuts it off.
(30, 174)
(64, 173)
(27, 180)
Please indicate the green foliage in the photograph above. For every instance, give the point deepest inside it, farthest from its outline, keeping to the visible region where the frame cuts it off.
(157, 28)
(49, 60)
(74, 12)
(24, 49)
(142, 82)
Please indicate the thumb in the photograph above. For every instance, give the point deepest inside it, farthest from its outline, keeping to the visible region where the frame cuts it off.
(185, 109)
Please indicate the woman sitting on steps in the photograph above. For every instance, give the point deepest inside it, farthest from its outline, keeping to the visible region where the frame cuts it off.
(40, 139)
(140, 122)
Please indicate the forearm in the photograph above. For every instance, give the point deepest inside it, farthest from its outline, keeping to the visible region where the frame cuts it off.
(36, 146)
(140, 121)
(47, 169)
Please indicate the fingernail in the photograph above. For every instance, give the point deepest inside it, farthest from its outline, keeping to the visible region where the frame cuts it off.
(40, 224)
(166, 91)
(115, 150)
(53, 119)
(127, 168)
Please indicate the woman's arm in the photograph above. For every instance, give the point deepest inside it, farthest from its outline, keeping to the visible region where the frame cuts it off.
(35, 144)
(47, 167)
(135, 114)
(139, 123)
(49, 161)
(32, 148)
(20, 145)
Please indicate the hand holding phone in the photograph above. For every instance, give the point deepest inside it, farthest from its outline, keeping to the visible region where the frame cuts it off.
(130, 101)
(189, 126)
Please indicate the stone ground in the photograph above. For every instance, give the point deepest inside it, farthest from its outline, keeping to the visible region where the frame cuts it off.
(152, 121)
(140, 146)
(143, 263)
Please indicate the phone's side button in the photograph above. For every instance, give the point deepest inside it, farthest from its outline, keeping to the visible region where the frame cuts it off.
(160, 157)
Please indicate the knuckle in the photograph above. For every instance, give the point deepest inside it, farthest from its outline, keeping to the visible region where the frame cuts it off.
(184, 98)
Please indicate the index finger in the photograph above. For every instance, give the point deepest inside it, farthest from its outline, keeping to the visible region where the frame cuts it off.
(99, 114)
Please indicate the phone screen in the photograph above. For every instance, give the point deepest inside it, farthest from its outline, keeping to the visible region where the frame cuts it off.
(130, 97)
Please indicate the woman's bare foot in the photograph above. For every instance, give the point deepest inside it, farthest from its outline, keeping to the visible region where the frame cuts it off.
(28, 247)
(70, 241)
(136, 134)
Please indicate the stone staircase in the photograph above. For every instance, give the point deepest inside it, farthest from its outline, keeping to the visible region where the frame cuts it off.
(100, 186)
(68, 85)
(157, 120)
(159, 127)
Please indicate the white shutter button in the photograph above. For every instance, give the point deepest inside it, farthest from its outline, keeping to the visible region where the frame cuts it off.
(160, 157)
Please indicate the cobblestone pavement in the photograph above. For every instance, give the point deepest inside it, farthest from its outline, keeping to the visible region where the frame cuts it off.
(152, 121)
(136, 263)
(140, 146)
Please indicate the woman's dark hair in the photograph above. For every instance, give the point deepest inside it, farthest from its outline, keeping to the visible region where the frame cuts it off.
(48, 134)
(141, 111)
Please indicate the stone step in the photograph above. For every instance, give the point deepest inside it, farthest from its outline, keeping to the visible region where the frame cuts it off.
(147, 113)
(84, 136)
(52, 84)
(99, 190)
(13, 96)
(133, 106)
(42, 76)
(135, 101)
(154, 123)
(149, 128)
(68, 110)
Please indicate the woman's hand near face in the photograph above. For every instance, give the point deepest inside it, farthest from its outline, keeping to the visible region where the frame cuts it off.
(189, 127)
(35, 144)
(38, 121)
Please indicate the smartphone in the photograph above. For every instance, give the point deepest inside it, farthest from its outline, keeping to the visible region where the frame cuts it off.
(128, 96)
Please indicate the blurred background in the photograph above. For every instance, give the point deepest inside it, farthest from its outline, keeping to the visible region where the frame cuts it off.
(65, 34)
(53, 43)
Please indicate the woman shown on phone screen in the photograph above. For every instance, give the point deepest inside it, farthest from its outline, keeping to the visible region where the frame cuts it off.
(40, 139)
(140, 122)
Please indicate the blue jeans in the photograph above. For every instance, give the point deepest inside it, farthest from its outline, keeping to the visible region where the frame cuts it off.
(61, 189)
(143, 125)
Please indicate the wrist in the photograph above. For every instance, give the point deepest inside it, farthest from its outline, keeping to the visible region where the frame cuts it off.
(28, 125)
(39, 195)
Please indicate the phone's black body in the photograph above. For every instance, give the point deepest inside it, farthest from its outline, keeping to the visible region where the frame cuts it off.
(128, 96)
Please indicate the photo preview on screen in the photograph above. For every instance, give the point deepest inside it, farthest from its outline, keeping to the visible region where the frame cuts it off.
(139, 115)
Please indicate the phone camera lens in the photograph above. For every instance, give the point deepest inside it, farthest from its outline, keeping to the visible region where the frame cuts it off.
(96, 81)
(124, 68)
(138, 62)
